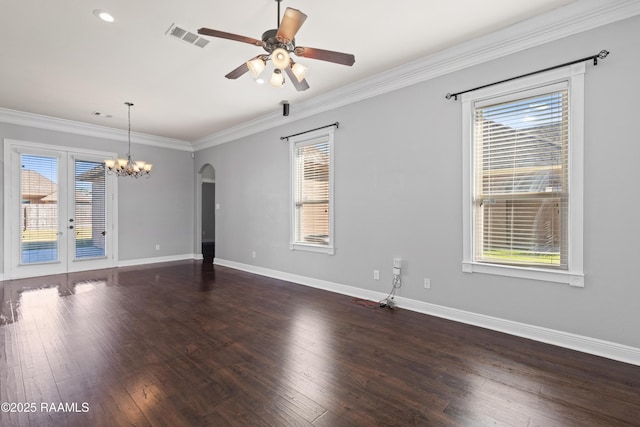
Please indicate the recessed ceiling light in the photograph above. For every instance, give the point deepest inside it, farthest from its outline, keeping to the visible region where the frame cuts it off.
(103, 15)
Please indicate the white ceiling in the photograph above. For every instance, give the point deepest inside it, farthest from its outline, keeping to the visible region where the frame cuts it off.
(59, 60)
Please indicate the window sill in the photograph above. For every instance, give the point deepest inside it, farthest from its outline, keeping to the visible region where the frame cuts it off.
(571, 278)
(312, 248)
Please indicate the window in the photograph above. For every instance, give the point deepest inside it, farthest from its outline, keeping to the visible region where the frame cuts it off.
(523, 178)
(312, 191)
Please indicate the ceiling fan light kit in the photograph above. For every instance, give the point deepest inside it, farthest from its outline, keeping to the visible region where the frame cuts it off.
(299, 70)
(256, 66)
(280, 58)
(280, 44)
(277, 79)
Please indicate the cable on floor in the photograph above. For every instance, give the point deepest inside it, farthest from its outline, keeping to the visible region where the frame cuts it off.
(389, 300)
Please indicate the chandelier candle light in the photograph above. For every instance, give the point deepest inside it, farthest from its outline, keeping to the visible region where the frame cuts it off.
(128, 166)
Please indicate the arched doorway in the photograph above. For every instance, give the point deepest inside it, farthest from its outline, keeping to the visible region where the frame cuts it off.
(208, 213)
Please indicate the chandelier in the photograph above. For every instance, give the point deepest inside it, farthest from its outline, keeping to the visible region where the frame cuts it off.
(127, 166)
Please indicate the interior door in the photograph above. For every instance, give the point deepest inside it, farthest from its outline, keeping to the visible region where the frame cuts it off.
(59, 212)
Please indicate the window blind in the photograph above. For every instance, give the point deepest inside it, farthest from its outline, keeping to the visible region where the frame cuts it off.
(312, 196)
(521, 181)
(38, 209)
(90, 209)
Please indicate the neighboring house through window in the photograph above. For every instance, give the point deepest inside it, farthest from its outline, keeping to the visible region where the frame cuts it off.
(523, 153)
(312, 191)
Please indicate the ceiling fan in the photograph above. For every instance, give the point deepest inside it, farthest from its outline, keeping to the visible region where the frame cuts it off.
(279, 44)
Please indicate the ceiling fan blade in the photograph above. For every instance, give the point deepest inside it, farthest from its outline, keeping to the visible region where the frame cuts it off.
(241, 70)
(230, 36)
(290, 24)
(325, 55)
(300, 86)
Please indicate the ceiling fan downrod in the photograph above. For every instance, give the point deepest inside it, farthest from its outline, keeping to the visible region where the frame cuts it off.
(278, 17)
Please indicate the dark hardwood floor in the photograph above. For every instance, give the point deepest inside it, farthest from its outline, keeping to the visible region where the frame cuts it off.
(192, 344)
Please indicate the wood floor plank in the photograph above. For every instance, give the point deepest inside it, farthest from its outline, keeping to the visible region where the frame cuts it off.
(184, 343)
(10, 351)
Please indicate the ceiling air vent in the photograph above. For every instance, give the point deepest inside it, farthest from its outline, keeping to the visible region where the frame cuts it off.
(186, 36)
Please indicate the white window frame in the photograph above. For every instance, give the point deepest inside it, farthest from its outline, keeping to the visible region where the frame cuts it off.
(310, 138)
(574, 76)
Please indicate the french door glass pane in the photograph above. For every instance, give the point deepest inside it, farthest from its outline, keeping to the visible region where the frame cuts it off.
(38, 209)
(90, 212)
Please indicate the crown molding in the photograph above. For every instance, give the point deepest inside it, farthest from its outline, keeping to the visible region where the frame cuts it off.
(69, 126)
(254, 126)
(577, 17)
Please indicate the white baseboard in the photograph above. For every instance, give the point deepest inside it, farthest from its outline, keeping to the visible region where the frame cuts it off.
(303, 280)
(581, 343)
(155, 260)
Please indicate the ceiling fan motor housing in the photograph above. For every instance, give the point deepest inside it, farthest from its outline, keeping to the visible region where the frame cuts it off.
(272, 43)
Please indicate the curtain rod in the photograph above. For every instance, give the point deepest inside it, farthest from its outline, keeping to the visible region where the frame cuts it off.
(601, 55)
(336, 124)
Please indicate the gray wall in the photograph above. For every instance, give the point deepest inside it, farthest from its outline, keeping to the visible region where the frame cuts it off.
(158, 210)
(398, 174)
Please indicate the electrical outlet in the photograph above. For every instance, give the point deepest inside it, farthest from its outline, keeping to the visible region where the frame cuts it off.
(376, 274)
(427, 283)
(253, 254)
(157, 247)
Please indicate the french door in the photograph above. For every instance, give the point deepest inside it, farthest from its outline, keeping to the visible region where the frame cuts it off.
(59, 213)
